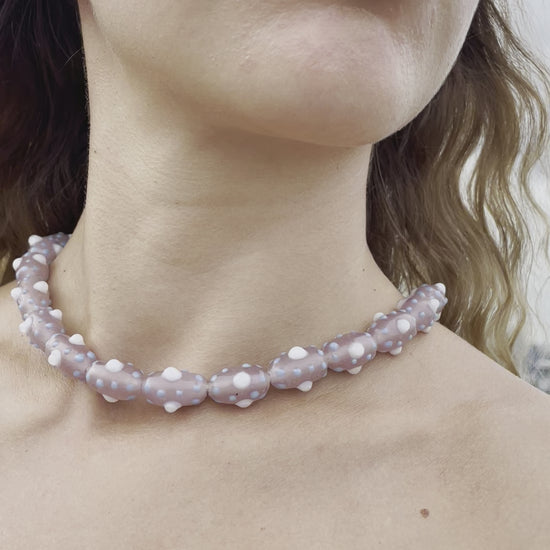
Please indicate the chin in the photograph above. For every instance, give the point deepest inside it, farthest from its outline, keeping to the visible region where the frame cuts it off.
(345, 109)
(337, 124)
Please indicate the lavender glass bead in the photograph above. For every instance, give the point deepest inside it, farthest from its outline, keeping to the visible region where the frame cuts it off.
(173, 388)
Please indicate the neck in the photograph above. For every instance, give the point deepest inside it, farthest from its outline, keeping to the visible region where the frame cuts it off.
(234, 255)
(202, 246)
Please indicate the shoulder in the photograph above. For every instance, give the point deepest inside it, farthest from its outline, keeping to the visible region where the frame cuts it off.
(504, 464)
(496, 432)
(450, 431)
(486, 400)
(13, 350)
(13, 358)
(9, 334)
(516, 438)
(29, 393)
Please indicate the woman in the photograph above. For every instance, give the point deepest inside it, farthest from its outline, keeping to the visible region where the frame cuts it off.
(224, 220)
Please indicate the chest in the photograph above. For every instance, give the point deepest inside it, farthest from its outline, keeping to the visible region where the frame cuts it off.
(316, 487)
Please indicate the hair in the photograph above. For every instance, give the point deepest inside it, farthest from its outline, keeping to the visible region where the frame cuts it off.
(426, 220)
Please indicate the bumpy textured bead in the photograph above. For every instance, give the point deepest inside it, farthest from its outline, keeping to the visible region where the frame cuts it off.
(391, 331)
(41, 324)
(349, 351)
(239, 386)
(32, 267)
(173, 388)
(425, 304)
(32, 296)
(115, 380)
(49, 246)
(70, 355)
(25, 301)
(297, 368)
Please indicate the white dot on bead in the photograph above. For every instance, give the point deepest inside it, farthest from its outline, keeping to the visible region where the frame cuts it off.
(25, 326)
(54, 359)
(378, 315)
(16, 263)
(172, 406)
(441, 287)
(77, 339)
(171, 374)
(16, 292)
(114, 365)
(109, 398)
(242, 380)
(403, 325)
(434, 304)
(56, 313)
(244, 403)
(356, 350)
(41, 286)
(40, 258)
(355, 370)
(57, 248)
(305, 386)
(34, 239)
(297, 352)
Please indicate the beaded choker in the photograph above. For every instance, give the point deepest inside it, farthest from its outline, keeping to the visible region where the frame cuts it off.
(174, 388)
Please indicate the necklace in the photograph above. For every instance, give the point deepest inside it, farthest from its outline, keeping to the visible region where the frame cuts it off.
(174, 388)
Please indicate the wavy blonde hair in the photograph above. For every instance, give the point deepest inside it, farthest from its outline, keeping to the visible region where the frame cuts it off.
(425, 221)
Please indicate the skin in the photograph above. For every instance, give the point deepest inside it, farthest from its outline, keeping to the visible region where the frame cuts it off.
(241, 211)
(225, 222)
